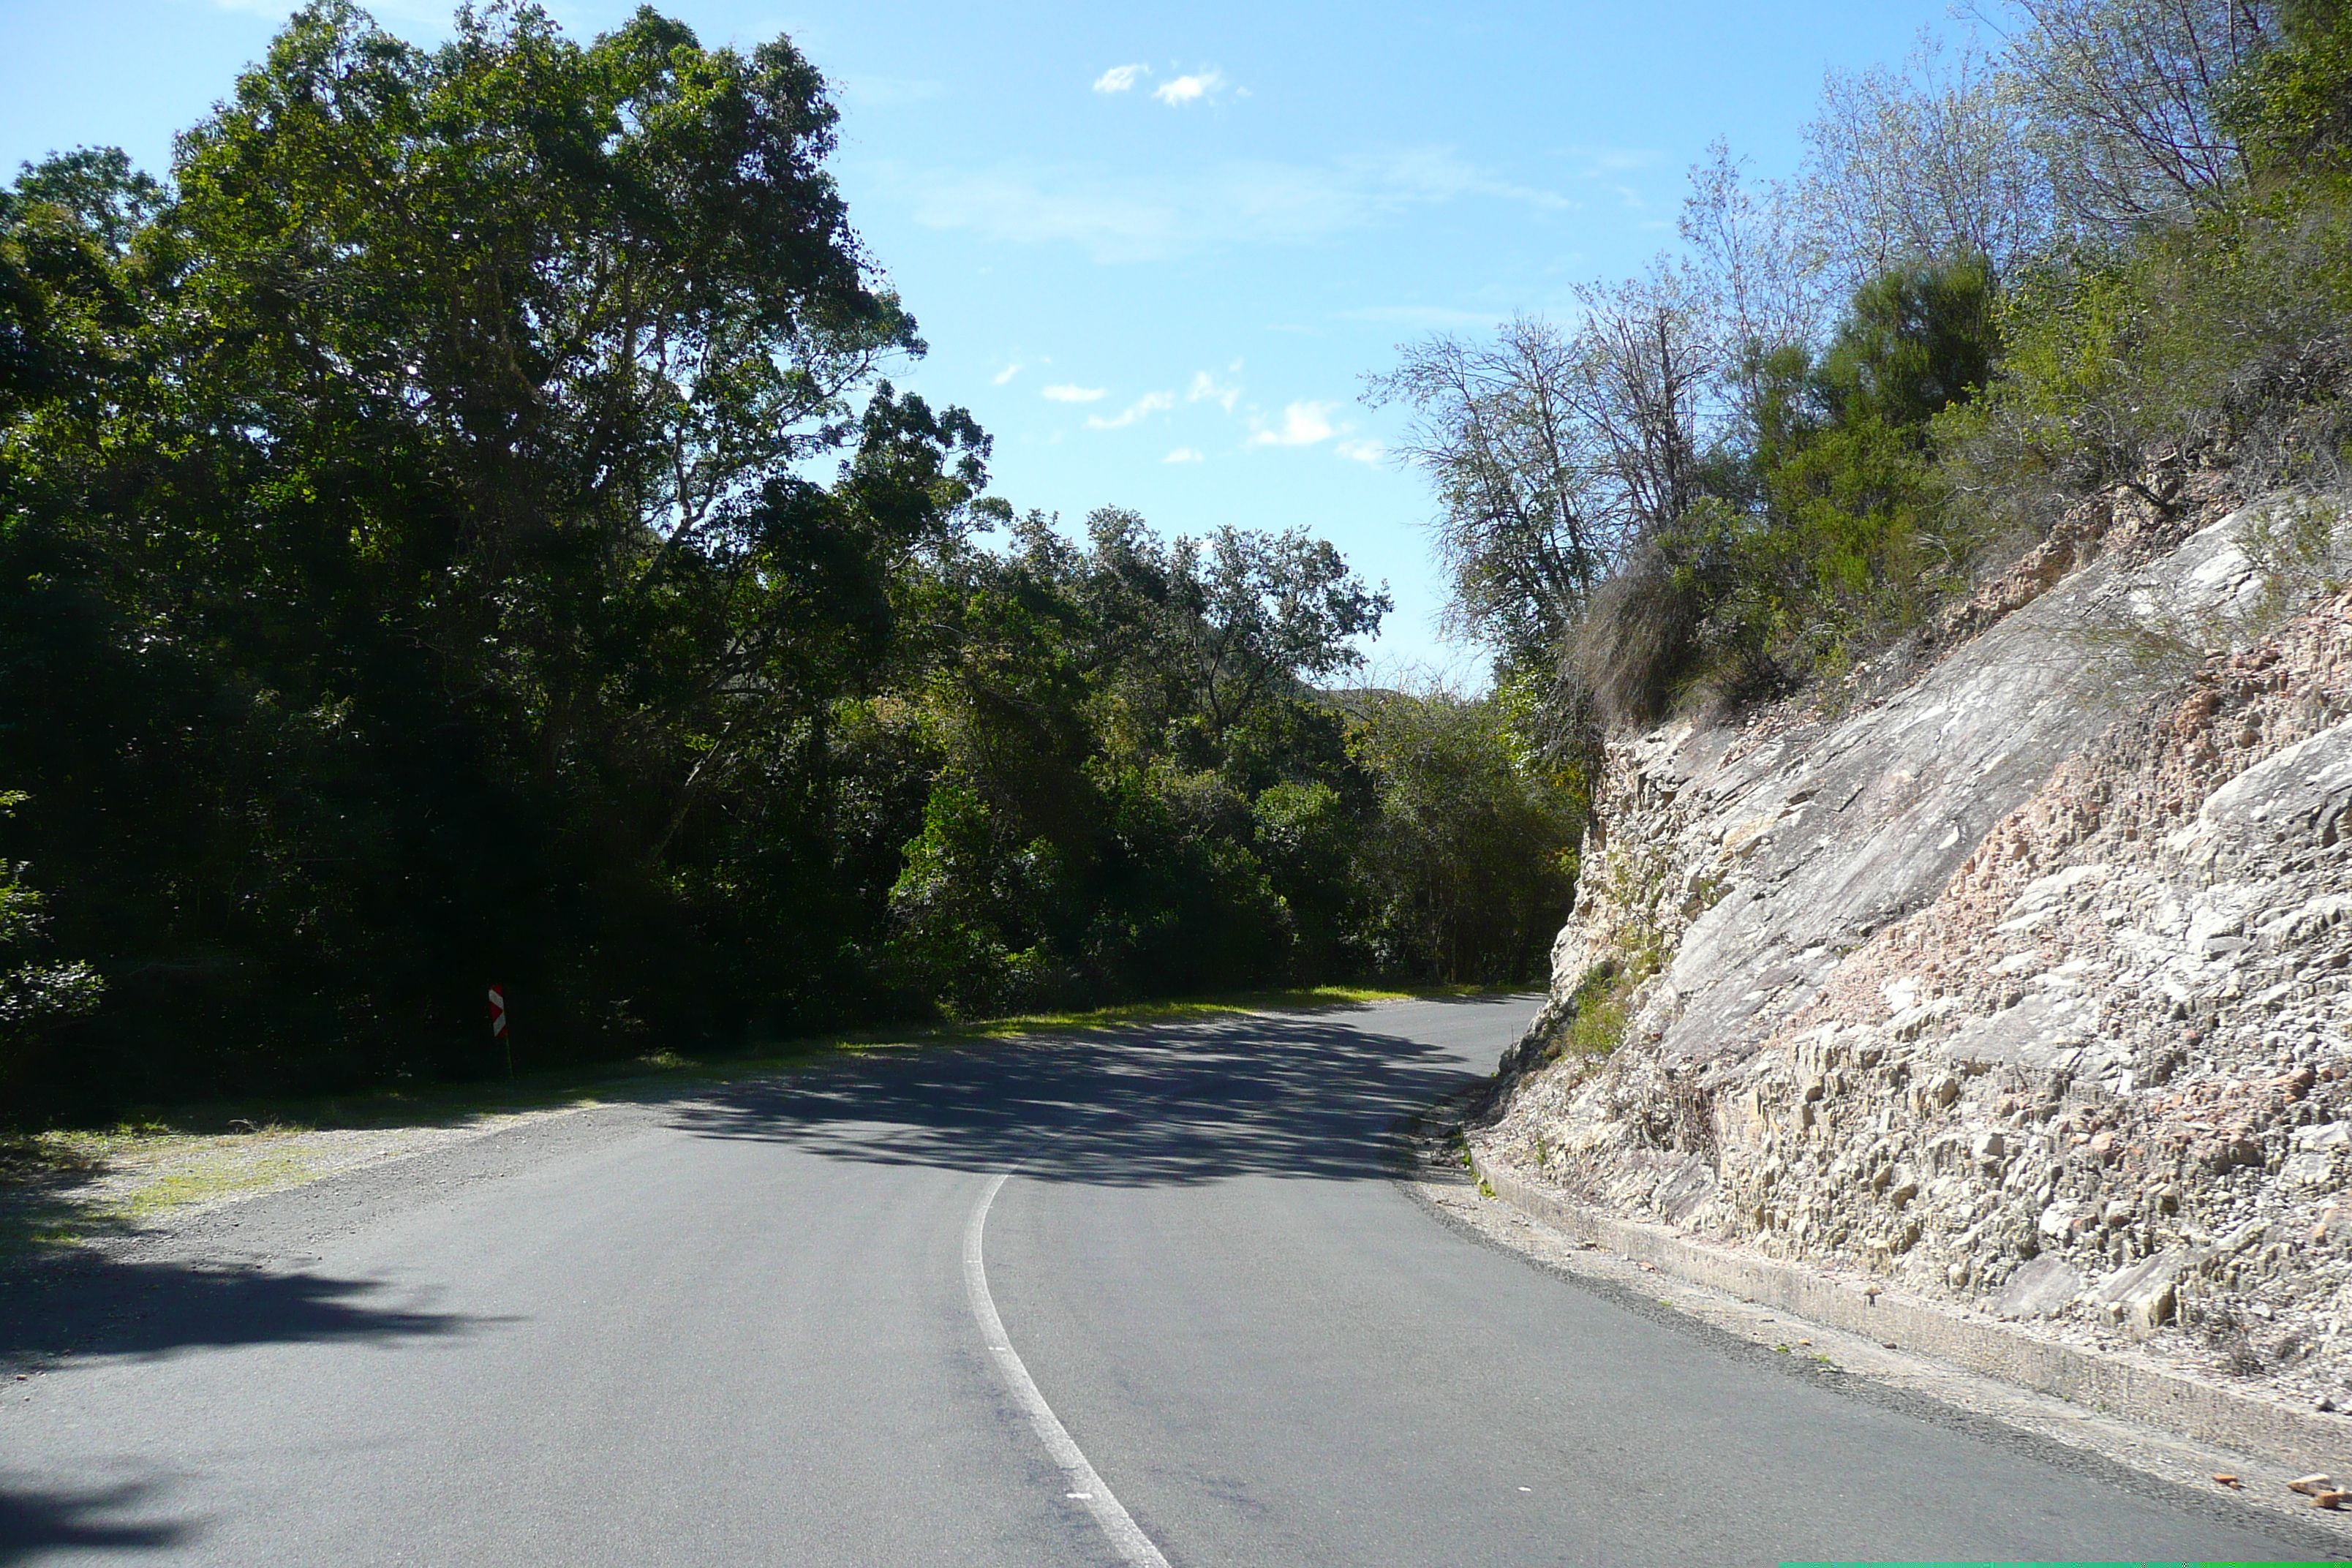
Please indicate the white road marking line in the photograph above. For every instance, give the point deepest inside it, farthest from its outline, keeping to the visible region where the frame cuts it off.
(1132, 1545)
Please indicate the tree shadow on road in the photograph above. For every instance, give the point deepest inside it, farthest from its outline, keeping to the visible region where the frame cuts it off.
(99, 1305)
(70, 1312)
(1308, 1096)
(38, 1521)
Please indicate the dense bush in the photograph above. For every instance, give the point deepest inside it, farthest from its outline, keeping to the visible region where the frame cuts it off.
(458, 532)
(2119, 250)
(2227, 339)
(1473, 856)
(1140, 787)
(1818, 535)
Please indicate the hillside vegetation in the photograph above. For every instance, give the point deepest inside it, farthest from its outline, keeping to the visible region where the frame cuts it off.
(2118, 249)
(456, 531)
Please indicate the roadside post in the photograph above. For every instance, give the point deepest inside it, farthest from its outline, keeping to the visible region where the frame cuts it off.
(498, 1034)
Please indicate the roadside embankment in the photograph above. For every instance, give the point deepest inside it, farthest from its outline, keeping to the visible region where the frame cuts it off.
(2018, 990)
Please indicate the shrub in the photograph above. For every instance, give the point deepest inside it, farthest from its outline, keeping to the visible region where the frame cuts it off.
(1473, 856)
(2227, 342)
(38, 994)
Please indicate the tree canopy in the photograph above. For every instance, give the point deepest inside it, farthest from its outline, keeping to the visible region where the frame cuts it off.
(460, 529)
(2112, 246)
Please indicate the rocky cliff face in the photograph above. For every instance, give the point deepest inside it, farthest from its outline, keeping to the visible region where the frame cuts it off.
(2023, 983)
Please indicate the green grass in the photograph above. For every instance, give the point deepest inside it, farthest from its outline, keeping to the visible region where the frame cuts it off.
(1176, 1010)
(1603, 1006)
(443, 1104)
(60, 1186)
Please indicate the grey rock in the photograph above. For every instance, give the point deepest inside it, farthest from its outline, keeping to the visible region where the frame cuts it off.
(2038, 1290)
(2142, 1297)
(2037, 963)
(1680, 1194)
(1867, 823)
(2297, 800)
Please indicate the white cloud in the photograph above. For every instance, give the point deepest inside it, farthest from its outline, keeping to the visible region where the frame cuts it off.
(1010, 370)
(1593, 162)
(1118, 79)
(1206, 389)
(1065, 393)
(1192, 89)
(1303, 424)
(887, 91)
(1117, 217)
(1358, 450)
(1148, 403)
(1604, 168)
(1438, 176)
(1184, 455)
(1429, 316)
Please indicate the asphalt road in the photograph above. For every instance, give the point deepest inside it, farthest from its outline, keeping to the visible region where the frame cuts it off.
(742, 1330)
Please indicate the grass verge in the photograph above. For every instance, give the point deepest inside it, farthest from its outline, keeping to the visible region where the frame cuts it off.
(60, 1187)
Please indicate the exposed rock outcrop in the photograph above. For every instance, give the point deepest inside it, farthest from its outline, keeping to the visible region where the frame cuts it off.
(2026, 985)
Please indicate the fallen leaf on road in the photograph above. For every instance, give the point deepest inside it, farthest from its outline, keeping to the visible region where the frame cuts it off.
(2230, 1480)
(2313, 1484)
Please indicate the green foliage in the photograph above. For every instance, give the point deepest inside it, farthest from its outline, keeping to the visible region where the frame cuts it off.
(409, 579)
(1473, 860)
(974, 910)
(2291, 106)
(1142, 790)
(458, 532)
(2062, 405)
(1850, 548)
(1827, 535)
(2224, 341)
(1309, 842)
(2223, 338)
(1943, 415)
(1602, 1003)
(36, 996)
(1914, 342)
(2115, 253)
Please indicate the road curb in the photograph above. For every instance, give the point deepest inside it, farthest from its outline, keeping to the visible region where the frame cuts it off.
(2264, 1429)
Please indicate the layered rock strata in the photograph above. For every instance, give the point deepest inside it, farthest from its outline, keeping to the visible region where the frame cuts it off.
(2027, 987)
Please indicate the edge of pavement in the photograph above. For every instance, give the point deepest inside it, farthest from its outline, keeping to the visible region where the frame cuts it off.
(2264, 1429)
(66, 1190)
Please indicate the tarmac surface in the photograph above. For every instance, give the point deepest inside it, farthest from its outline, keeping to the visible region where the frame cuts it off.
(752, 1327)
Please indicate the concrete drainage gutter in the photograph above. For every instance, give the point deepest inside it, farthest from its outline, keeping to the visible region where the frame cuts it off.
(2265, 1429)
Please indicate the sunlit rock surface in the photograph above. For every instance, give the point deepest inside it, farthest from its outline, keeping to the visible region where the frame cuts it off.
(2022, 983)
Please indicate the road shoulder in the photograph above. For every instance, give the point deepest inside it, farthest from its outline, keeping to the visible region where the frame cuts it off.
(2079, 1435)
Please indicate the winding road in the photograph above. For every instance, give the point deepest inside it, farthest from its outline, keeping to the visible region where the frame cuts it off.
(1132, 1297)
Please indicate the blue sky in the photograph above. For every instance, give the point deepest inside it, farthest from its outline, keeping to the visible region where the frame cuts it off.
(1154, 247)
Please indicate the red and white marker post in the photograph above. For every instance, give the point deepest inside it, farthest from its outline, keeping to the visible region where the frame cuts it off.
(499, 1025)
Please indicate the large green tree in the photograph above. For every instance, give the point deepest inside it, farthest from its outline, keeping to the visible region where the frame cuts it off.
(429, 482)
